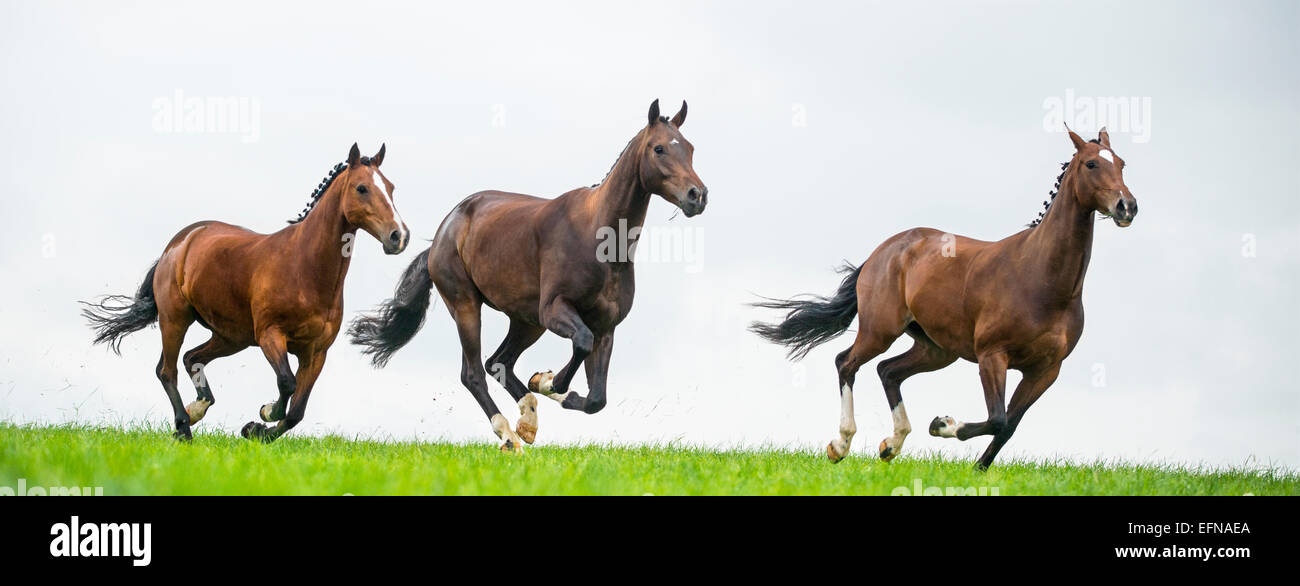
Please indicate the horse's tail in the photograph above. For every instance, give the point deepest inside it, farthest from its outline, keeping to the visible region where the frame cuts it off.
(396, 321)
(813, 321)
(115, 316)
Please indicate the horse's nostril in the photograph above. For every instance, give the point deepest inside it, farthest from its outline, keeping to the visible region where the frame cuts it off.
(395, 237)
(693, 194)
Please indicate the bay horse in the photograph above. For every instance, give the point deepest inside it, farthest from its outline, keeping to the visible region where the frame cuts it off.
(540, 262)
(1015, 303)
(282, 292)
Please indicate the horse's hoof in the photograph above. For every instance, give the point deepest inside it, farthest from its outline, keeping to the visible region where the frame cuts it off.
(267, 413)
(527, 427)
(943, 427)
(197, 410)
(254, 431)
(834, 454)
(526, 432)
(541, 382)
(510, 447)
(886, 453)
(183, 436)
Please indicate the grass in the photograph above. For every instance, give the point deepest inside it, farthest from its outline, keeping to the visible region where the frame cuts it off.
(143, 460)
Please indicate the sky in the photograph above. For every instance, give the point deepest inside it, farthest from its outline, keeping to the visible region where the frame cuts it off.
(821, 129)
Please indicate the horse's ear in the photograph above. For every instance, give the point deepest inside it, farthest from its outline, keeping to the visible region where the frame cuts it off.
(354, 156)
(680, 116)
(1103, 137)
(379, 156)
(1076, 139)
(654, 112)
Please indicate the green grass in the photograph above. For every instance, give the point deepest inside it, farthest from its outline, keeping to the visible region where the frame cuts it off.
(147, 461)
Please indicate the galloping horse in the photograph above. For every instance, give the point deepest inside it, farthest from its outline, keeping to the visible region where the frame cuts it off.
(282, 292)
(539, 262)
(1016, 303)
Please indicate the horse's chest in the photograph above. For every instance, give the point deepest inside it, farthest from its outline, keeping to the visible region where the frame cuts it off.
(611, 302)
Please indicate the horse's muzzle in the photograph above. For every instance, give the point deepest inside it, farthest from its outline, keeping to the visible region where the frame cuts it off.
(695, 201)
(1125, 210)
(396, 241)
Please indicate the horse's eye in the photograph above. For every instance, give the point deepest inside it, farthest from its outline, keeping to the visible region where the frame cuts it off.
(659, 150)
(1091, 164)
(362, 189)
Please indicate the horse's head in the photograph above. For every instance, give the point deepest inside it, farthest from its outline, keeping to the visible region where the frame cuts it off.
(1099, 179)
(368, 201)
(666, 167)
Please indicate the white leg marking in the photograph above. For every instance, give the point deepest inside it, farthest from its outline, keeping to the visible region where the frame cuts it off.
(558, 398)
(527, 426)
(501, 426)
(840, 447)
(902, 427)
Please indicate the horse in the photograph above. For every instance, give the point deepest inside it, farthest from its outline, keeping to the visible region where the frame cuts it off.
(545, 263)
(282, 292)
(1012, 304)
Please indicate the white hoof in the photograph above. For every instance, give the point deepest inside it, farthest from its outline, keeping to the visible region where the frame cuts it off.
(265, 412)
(837, 450)
(197, 410)
(890, 448)
(512, 443)
(944, 427)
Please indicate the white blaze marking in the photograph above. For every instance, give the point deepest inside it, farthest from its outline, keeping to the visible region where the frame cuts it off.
(1105, 154)
(673, 141)
(388, 199)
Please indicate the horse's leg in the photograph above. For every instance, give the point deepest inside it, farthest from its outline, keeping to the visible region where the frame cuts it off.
(597, 368)
(275, 348)
(993, 377)
(309, 366)
(560, 317)
(866, 346)
(173, 335)
(501, 366)
(1031, 387)
(924, 356)
(196, 367)
(468, 312)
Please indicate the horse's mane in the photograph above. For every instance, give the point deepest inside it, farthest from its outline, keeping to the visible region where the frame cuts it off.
(1047, 205)
(322, 188)
(621, 153)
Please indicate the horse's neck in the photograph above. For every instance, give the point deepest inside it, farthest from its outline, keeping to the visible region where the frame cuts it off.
(621, 196)
(319, 256)
(1060, 247)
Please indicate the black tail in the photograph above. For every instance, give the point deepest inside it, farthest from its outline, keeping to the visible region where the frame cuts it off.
(397, 320)
(811, 322)
(115, 316)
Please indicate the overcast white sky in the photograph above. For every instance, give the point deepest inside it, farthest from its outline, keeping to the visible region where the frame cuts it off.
(820, 129)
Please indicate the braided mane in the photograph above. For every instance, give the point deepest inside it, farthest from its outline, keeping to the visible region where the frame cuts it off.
(1047, 205)
(323, 187)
